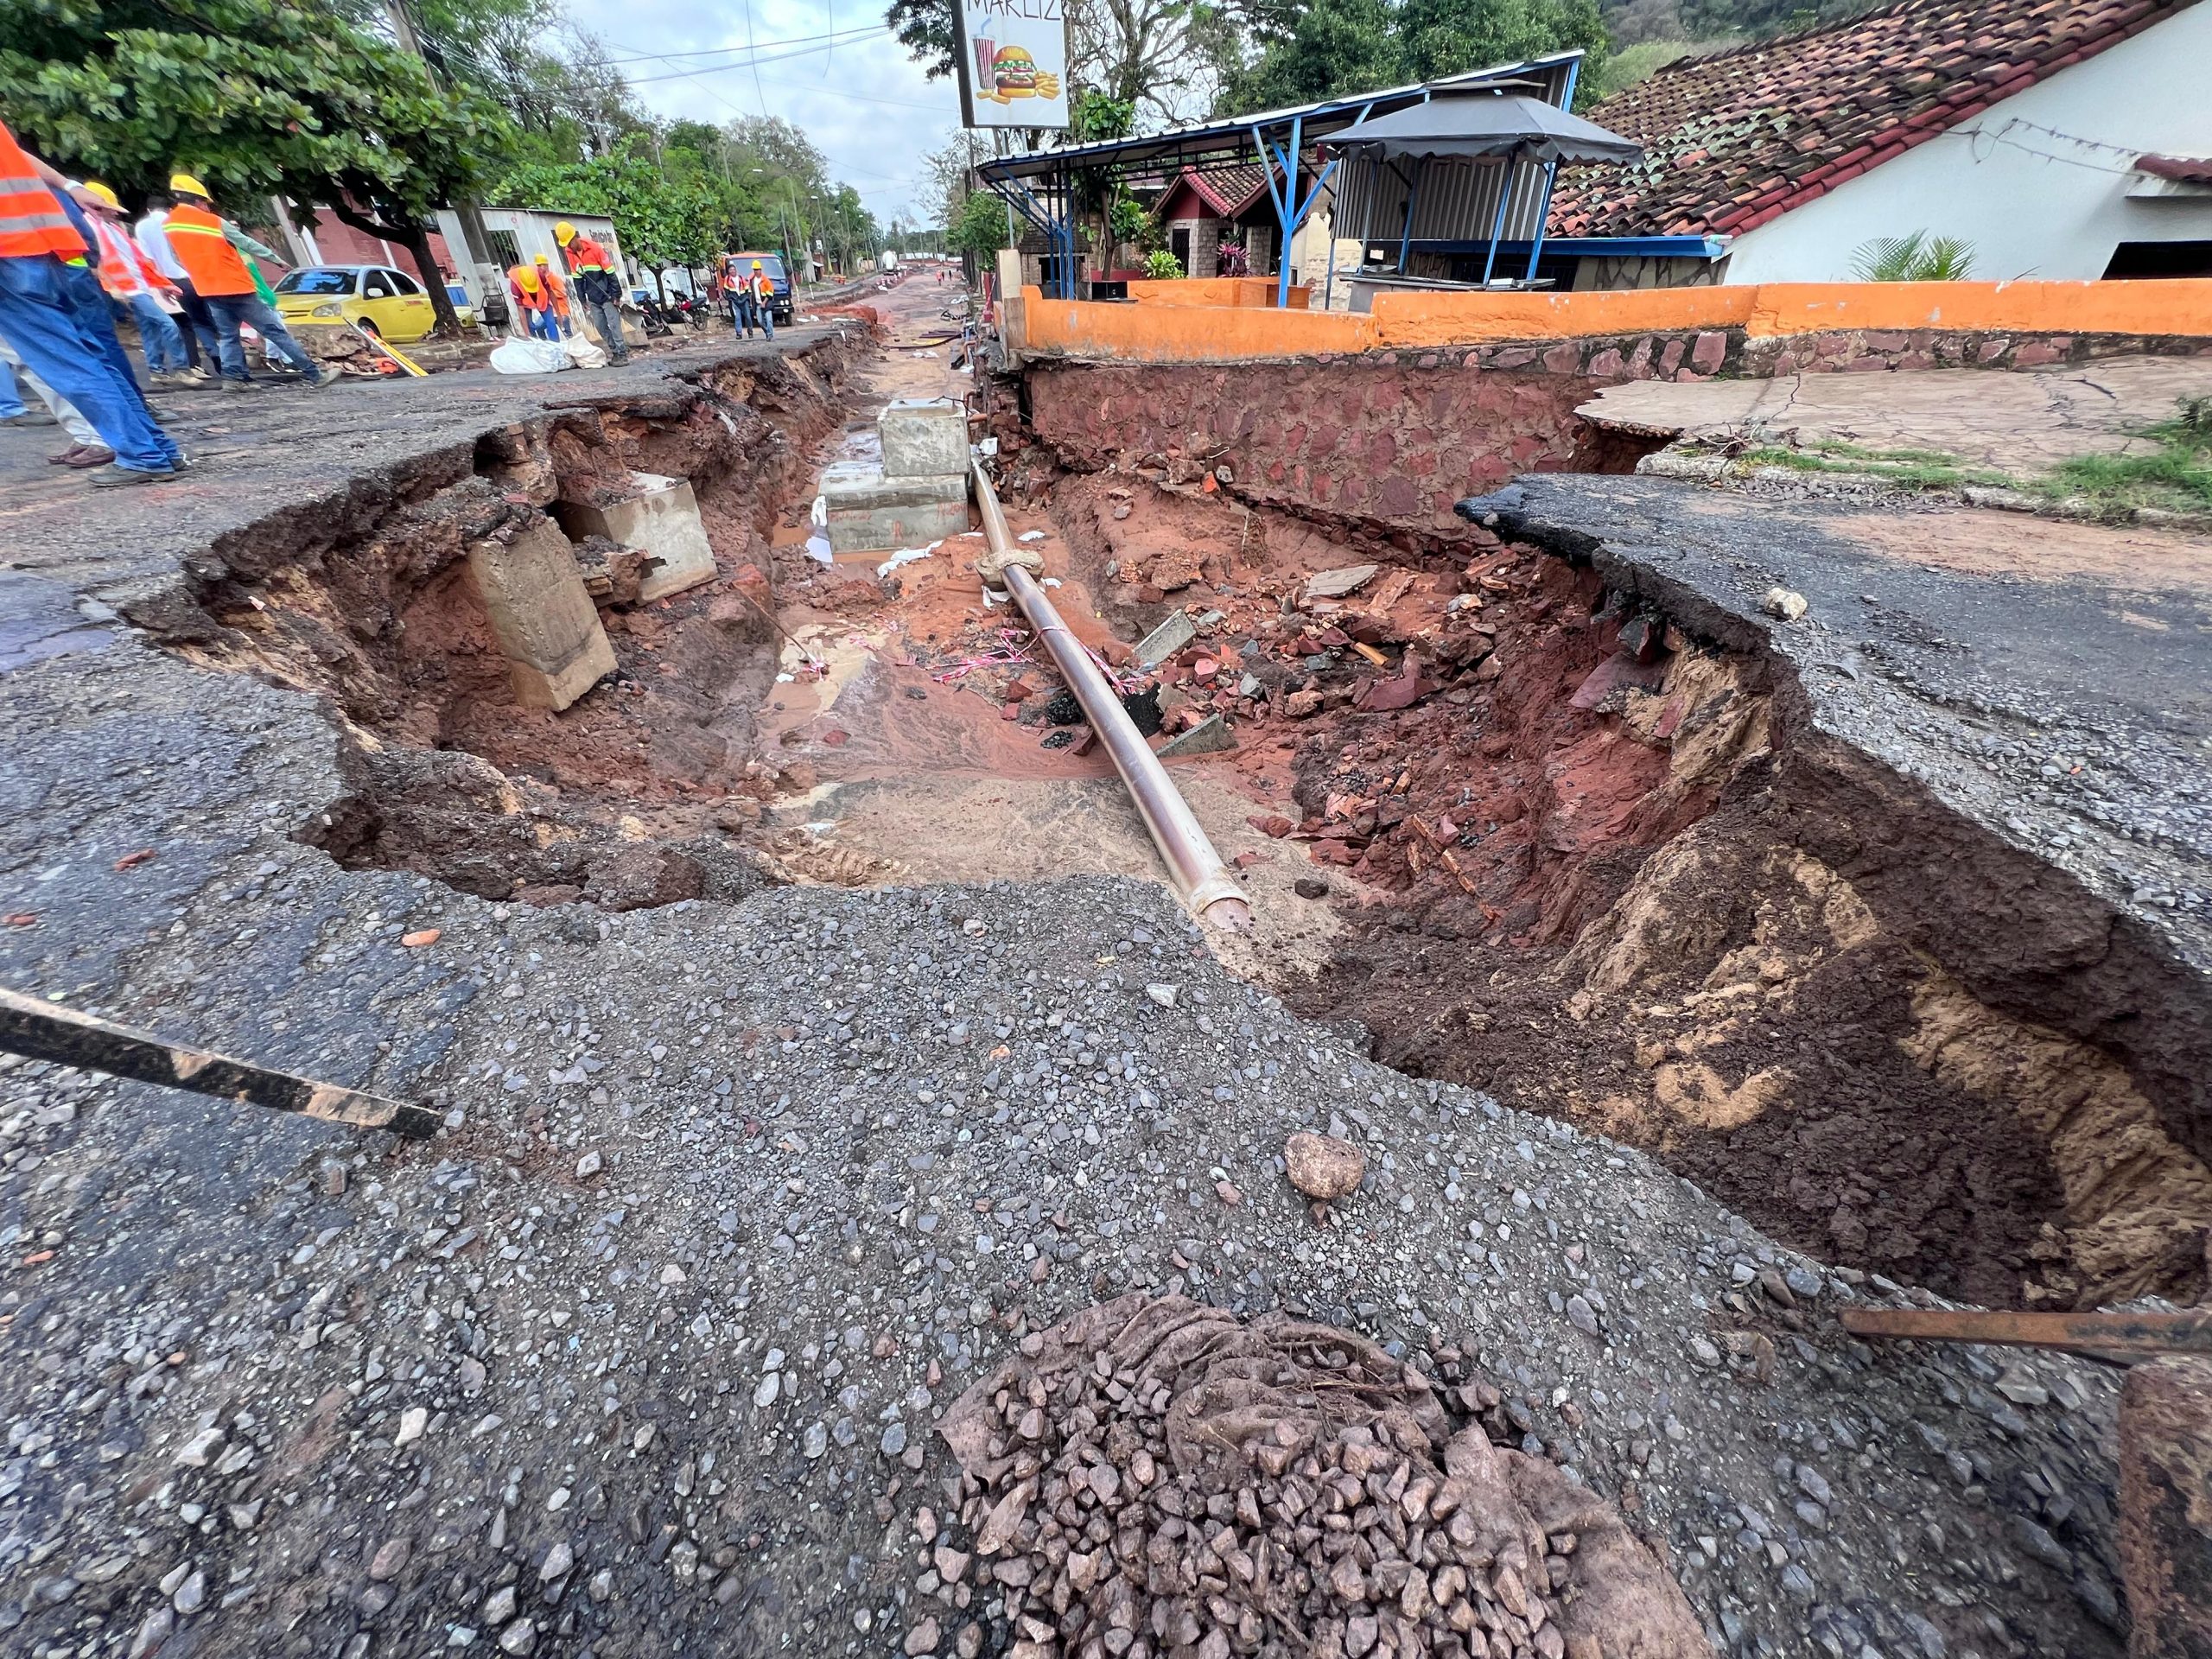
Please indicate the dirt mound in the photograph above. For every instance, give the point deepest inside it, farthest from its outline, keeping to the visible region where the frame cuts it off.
(1157, 1476)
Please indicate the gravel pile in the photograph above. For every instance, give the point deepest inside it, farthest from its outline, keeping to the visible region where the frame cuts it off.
(1157, 1476)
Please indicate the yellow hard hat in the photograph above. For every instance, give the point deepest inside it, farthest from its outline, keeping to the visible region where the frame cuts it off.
(184, 184)
(756, 264)
(564, 231)
(542, 260)
(92, 186)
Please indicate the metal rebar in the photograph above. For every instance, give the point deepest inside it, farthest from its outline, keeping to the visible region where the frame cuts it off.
(1199, 876)
(47, 1030)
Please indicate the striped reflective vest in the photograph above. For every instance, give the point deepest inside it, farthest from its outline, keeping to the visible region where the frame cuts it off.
(596, 277)
(31, 220)
(125, 269)
(217, 269)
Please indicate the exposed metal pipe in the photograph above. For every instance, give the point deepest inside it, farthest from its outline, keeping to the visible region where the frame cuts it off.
(1203, 880)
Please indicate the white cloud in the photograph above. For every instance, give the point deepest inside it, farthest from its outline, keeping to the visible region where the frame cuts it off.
(865, 105)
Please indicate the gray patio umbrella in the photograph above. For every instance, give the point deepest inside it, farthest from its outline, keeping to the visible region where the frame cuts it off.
(1474, 126)
(1480, 126)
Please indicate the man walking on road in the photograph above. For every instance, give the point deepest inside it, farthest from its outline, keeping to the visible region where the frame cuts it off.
(760, 301)
(198, 327)
(598, 285)
(40, 317)
(222, 278)
(133, 284)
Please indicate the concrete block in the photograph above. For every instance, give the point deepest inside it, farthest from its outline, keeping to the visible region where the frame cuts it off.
(663, 519)
(924, 437)
(1209, 736)
(542, 619)
(869, 513)
(1166, 641)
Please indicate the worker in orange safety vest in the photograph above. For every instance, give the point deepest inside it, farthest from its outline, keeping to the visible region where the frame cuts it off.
(201, 241)
(533, 301)
(53, 312)
(136, 288)
(557, 291)
(598, 285)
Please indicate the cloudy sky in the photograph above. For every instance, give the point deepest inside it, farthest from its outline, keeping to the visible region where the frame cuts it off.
(864, 105)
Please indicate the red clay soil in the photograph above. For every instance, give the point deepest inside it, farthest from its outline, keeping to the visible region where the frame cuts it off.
(1575, 883)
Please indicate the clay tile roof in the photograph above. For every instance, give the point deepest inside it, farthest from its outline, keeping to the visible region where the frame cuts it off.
(2182, 170)
(1742, 137)
(1229, 190)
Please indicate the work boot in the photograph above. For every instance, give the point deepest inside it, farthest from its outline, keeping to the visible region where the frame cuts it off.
(29, 417)
(81, 455)
(112, 478)
(318, 378)
(232, 384)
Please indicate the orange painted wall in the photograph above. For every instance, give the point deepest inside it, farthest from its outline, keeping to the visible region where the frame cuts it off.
(2180, 307)
(1172, 333)
(1448, 319)
(1215, 290)
(1184, 328)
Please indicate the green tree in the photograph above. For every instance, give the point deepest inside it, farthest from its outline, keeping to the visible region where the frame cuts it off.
(981, 229)
(1340, 47)
(563, 101)
(288, 97)
(664, 223)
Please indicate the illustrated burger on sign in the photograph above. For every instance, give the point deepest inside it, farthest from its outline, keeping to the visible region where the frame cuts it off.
(1014, 74)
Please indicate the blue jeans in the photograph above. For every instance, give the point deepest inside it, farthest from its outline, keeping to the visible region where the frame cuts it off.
(229, 310)
(157, 333)
(540, 323)
(45, 321)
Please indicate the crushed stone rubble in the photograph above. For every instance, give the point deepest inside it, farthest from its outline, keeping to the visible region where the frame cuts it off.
(1154, 1474)
(650, 1352)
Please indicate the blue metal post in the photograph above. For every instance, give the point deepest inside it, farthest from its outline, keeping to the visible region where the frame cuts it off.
(1551, 172)
(1497, 224)
(1406, 236)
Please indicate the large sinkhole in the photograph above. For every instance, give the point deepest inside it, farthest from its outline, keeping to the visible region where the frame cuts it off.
(1536, 835)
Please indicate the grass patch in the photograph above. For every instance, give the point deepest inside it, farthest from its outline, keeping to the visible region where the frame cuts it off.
(2177, 476)
(1908, 469)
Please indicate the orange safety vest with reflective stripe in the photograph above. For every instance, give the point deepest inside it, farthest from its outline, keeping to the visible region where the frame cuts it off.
(585, 255)
(31, 221)
(124, 268)
(216, 269)
(527, 287)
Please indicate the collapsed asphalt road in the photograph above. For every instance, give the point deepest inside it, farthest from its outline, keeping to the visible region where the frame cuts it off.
(643, 1354)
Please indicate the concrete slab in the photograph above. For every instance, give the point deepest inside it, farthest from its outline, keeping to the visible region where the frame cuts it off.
(2021, 424)
(1166, 641)
(1210, 736)
(1336, 584)
(662, 518)
(545, 622)
(924, 437)
(869, 513)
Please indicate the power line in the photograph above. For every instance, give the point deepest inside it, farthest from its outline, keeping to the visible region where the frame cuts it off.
(833, 38)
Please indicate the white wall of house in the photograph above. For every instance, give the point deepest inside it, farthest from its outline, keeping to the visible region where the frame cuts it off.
(2033, 205)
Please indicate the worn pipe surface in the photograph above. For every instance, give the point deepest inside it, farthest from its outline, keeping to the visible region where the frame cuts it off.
(47, 1030)
(1200, 876)
(2130, 1335)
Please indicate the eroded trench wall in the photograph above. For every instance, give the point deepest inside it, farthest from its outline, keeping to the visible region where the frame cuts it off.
(369, 602)
(1771, 922)
(1391, 442)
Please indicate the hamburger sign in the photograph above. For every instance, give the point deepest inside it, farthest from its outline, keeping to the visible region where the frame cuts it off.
(1013, 60)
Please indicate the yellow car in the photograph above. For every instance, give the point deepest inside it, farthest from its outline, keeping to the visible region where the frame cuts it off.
(385, 302)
